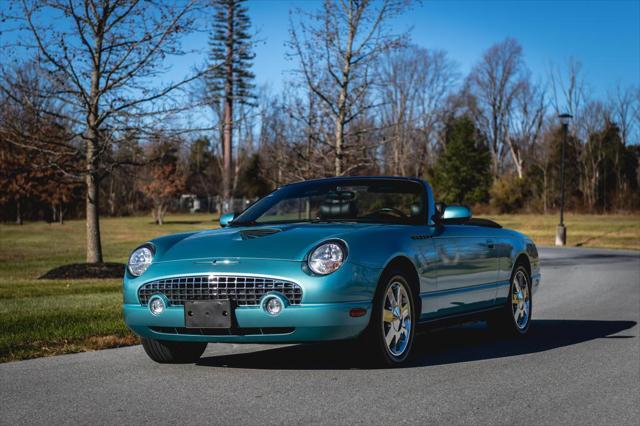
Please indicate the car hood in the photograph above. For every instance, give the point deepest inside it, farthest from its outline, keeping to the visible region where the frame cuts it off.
(284, 242)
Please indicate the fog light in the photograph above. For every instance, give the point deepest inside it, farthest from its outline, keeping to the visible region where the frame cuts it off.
(156, 305)
(274, 306)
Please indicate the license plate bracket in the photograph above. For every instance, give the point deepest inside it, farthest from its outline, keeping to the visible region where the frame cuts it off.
(209, 313)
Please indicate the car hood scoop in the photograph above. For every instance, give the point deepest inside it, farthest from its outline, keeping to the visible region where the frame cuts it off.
(250, 234)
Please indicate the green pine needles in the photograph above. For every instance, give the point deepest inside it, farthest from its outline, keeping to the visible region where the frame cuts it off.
(231, 53)
(462, 174)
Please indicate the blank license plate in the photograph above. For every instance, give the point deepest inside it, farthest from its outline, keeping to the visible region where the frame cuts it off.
(208, 314)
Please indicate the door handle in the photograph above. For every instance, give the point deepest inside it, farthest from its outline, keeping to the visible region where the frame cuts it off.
(490, 244)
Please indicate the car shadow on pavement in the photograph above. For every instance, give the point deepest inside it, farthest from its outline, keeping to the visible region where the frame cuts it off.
(435, 347)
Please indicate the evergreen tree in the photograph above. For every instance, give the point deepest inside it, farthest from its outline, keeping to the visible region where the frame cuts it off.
(462, 174)
(230, 80)
(252, 183)
(203, 170)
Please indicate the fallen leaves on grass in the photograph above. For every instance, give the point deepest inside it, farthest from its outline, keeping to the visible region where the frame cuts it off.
(93, 343)
(102, 342)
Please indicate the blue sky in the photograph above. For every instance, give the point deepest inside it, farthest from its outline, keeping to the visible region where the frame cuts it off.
(603, 35)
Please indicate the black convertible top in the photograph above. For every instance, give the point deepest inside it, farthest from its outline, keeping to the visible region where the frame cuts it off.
(487, 223)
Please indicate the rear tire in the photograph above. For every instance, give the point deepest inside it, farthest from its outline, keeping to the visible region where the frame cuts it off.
(390, 334)
(514, 318)
(165, 352)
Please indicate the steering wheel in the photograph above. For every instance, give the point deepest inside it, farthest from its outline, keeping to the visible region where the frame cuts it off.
(390, 210)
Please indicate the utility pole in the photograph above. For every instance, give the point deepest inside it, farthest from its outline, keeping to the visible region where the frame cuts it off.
(561, 230)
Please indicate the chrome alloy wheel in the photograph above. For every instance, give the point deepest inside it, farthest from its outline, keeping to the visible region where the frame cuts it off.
(396, 319)
(521, 300)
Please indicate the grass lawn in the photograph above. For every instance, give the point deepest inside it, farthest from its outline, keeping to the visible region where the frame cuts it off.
(47, 317)
(603, 231)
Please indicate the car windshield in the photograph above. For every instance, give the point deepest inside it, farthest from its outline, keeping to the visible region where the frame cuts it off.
(357, 200)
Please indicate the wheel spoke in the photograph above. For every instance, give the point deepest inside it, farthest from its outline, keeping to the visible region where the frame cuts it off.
(399, 295)
(391, 297)
(406, 312)
(389, 336)
(387, 316)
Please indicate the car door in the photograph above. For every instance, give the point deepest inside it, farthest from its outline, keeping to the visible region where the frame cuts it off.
(422, 251)
(466, 270)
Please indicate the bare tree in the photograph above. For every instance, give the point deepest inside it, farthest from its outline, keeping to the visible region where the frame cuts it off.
(524, 128)
(593, 118)
(291, 138)
(624, 105)
(336, 54)
(101, 57)
(569, 94)
(308, 149)
(413, 86)
(495, 83)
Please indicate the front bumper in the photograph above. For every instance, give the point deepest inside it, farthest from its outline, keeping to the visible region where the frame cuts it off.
(313, 322)
(323, 313)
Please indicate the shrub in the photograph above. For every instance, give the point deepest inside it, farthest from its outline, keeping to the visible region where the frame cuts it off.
(509, 194)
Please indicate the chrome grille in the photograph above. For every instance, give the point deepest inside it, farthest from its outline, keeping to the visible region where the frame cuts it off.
(244, 290)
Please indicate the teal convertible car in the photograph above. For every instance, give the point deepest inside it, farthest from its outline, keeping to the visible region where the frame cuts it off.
(340, 258)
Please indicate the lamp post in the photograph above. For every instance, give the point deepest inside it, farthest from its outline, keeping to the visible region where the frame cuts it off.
(561, 230)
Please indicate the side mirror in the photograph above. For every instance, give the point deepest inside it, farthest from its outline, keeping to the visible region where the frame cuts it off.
(456, 215)
(226, 218)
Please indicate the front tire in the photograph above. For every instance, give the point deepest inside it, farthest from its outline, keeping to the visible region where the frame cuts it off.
(514, 318)
(392, 328)
(165, 352)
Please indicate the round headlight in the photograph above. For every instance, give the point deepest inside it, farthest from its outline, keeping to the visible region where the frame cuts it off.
(140, 260)
(326, 258)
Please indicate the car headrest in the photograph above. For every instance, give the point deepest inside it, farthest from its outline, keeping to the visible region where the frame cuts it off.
(339, 205)
(416, 210)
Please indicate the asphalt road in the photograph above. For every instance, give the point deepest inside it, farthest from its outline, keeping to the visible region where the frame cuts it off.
(579, 365)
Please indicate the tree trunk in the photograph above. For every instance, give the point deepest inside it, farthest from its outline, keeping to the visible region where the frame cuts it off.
(517, 158)
(160, 216)
(338, 147)
(112, 198)
(61, 214)
(92, 180)
(227, 144)
(18, 212)
(94, 246)
(544, 190)
(341, 117)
